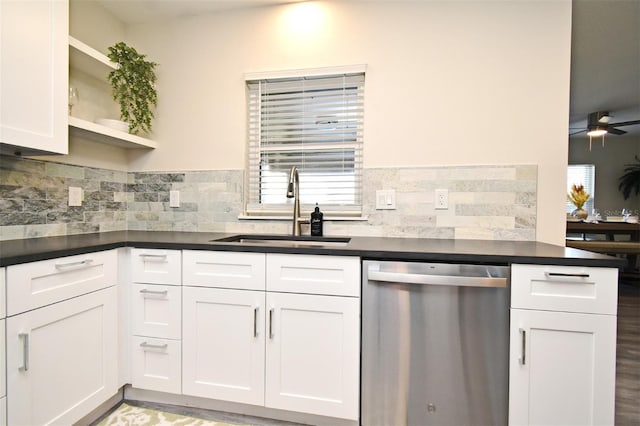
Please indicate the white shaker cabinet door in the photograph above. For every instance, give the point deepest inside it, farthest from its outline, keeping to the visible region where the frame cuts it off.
(562, 368)
(62, 360)
(313, 354)
(223, 344)
(34, 70)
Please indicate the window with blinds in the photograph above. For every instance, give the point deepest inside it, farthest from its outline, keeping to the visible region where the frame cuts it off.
(585, 175)
(314, 123)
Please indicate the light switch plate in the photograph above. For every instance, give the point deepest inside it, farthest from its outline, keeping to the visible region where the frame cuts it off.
(75, 196)
(174, 198)
(386, 199)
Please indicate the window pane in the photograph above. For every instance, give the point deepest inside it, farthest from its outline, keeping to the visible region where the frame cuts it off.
(585, 175)
(315, 124)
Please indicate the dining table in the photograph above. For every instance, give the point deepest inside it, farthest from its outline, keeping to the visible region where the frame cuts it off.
(610, 230)
(608, 237)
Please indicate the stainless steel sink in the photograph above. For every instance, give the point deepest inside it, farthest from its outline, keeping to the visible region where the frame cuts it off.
(285, 241)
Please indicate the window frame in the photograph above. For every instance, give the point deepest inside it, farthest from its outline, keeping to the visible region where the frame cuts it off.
(252, 203)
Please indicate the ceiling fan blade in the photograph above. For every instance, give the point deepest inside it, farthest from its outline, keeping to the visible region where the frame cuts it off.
(615, 131)
(625, 123)
(578, 132)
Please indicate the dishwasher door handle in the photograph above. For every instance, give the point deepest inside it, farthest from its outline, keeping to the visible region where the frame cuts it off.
(447, 280)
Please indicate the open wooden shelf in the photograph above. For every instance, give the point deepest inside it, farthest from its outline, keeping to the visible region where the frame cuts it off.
(87, 59)
(90, 61)
(103, 134)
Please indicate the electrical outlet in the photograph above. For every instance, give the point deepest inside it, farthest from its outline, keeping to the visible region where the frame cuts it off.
(174, 198)
(442, 199)
(75, 196)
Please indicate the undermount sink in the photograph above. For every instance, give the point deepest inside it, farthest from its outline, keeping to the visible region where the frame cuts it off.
(285, 240)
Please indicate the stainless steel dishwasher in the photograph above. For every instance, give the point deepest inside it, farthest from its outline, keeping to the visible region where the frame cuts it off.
(435, 344)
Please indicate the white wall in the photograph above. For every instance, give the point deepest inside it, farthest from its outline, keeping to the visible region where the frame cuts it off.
(448, 83)
(609, 162)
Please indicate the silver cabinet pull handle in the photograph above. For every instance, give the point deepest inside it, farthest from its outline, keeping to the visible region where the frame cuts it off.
(146, 345)
(25, 351)
(271, 323)
(523, 348)
(565, 275)
(158, 257)
(156, 292)
(85, 262)
(255, 322)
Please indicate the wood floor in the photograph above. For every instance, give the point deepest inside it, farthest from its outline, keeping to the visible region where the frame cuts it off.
(628, 356)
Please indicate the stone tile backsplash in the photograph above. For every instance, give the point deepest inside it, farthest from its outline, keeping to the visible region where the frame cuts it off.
(485, 202)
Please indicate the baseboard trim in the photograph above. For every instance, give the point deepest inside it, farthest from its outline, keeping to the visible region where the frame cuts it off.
(102, 409)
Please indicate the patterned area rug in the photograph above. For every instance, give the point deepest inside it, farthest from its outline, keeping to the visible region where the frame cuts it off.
(129, 415)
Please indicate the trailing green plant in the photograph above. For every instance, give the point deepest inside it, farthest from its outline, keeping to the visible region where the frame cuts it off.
(630, 180)
(133, 86)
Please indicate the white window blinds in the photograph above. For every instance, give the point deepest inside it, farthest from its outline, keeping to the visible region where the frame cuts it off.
(314, 123)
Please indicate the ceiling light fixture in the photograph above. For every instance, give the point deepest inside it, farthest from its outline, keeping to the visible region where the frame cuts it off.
(595, 131)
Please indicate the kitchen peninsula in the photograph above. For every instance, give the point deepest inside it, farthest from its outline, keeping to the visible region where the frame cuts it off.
(572, 291)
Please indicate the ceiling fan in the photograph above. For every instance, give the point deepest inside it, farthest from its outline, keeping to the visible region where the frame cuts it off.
(599, 124)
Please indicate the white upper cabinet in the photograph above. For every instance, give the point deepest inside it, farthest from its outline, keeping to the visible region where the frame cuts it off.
(34, 69)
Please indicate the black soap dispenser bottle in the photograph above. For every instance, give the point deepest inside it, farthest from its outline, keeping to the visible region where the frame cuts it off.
(316, 222)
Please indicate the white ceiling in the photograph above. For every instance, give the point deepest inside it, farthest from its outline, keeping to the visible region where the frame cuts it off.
(605, 58)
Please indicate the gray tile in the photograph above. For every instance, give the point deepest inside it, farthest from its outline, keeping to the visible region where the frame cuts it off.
(112, 186)
(21, 165)
(136, 187)
(158, 187)
(99, 174)
(37, 206)
(11, 206)
(22, 192)
(64, 170)
(24, 218)
(65, 217)
(98, 196)
(112, 205)
(82, 228)
(146, 196)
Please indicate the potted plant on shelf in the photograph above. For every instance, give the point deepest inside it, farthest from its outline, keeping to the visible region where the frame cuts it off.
(133, 87)
(578, 196)
(630, 180)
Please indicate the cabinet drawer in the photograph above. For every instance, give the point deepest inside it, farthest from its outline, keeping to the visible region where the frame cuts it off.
(223, 269)
(156, 266)
(36, 284)
(329, 275)
(156, 310)
(564, 288)
(156, 364)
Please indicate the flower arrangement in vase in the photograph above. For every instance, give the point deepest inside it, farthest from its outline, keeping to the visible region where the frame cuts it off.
(578, 196)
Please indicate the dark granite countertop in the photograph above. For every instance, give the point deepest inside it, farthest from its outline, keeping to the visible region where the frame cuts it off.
(380, 248)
